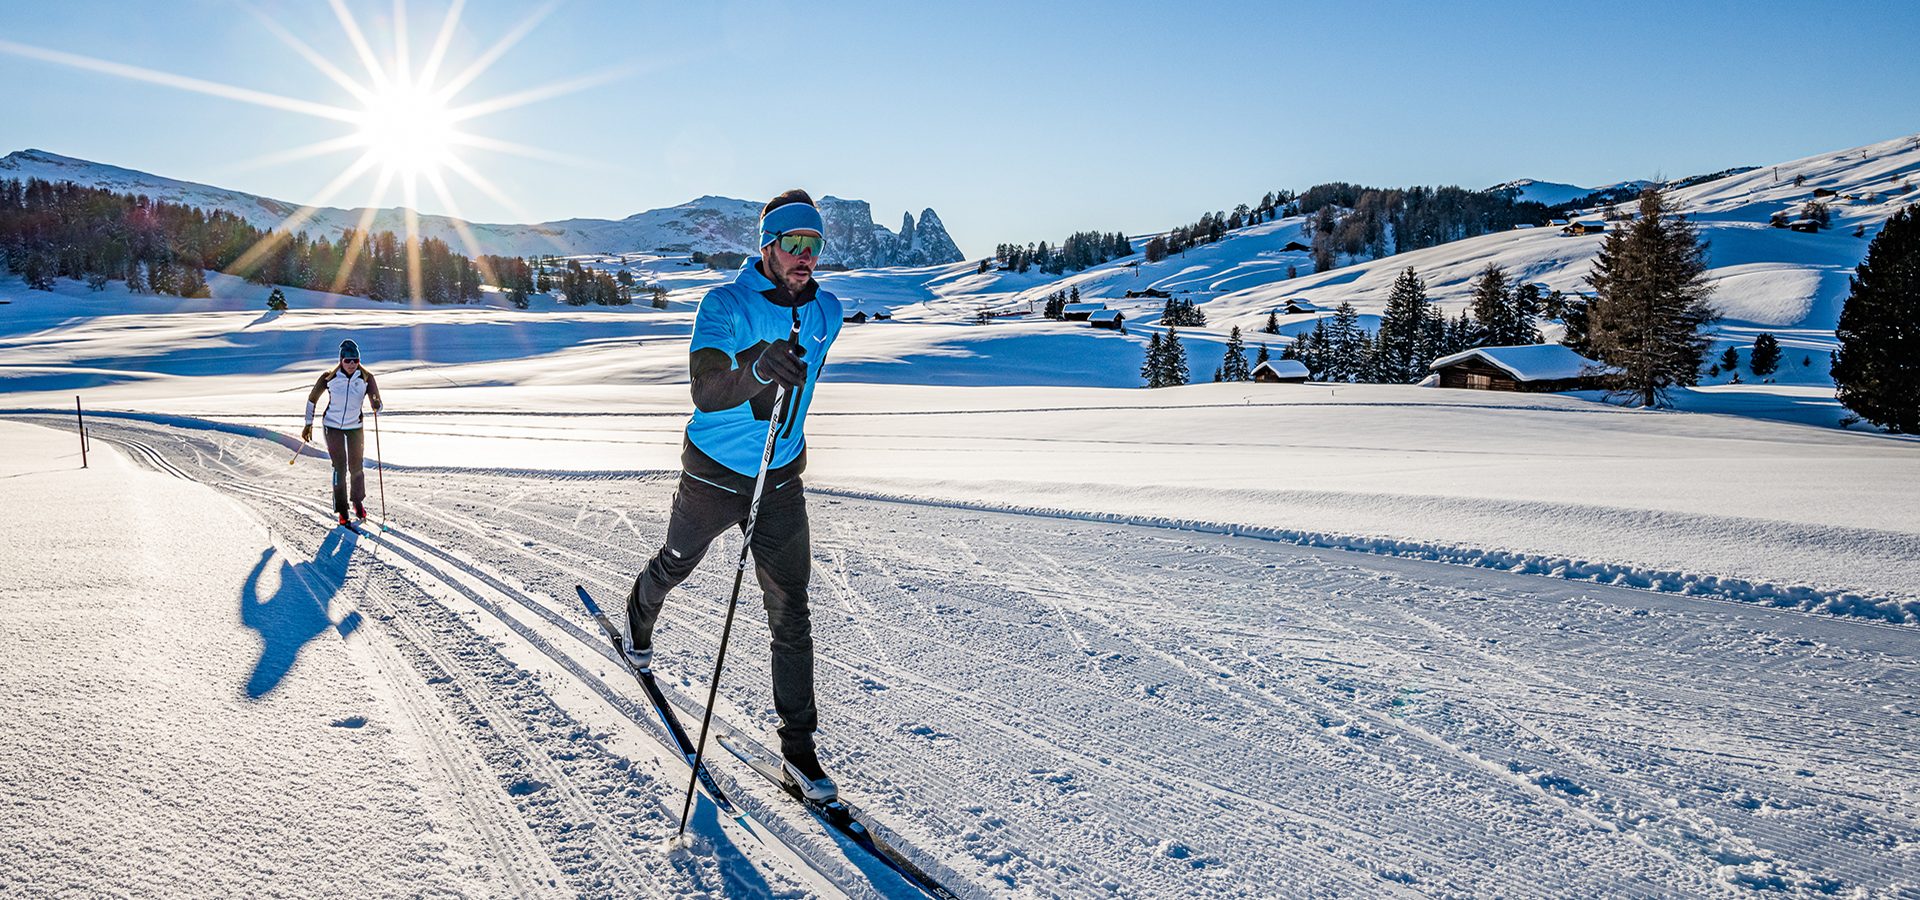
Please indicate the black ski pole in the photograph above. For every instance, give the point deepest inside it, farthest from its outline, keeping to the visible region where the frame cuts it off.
(739, 574)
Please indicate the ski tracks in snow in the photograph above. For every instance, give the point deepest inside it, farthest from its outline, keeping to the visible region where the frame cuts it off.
(1049, 707)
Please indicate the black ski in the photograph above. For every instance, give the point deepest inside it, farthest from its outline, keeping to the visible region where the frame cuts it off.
(842, 817)
(837, 814)
(661, 708)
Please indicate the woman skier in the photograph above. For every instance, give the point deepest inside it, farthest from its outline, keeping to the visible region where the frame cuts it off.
(346, 385)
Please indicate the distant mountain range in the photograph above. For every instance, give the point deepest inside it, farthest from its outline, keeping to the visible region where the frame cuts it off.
(709, 224)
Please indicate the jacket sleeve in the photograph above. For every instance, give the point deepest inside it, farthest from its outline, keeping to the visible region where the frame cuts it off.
(373, 389)
(313, 396)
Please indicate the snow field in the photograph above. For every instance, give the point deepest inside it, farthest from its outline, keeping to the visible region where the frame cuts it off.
(159, 741)
(1044, 707)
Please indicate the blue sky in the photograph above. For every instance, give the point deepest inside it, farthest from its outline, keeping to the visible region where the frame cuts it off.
(1017, 122)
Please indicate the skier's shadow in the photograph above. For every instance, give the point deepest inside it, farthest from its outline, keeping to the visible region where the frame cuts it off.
(297, 611)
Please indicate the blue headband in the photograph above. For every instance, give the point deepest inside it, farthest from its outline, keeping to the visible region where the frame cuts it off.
(791, 217)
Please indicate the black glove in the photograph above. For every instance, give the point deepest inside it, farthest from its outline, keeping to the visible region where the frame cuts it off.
(777, 363)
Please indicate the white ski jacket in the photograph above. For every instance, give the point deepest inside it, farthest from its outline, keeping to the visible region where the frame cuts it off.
(345, 395)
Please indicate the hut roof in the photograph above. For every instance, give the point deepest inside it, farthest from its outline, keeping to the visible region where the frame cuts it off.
(1285, 368)
(1529, 362)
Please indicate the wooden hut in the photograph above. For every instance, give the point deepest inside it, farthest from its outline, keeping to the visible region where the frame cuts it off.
(1080, 312)
(1281, 371)
(1524, 367)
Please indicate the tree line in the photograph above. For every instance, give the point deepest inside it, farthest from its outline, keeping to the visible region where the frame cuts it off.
(54, 230)
(1081, 250)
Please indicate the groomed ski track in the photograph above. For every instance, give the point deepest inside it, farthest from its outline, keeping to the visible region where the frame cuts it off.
(1041, 707)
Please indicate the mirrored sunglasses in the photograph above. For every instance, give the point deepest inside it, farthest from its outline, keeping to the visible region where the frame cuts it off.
(802, 244)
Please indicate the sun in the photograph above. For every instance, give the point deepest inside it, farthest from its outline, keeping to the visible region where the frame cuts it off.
(408, 130)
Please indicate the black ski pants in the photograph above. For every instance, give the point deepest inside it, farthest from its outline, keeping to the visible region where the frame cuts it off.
(346, 447)
(782, 561)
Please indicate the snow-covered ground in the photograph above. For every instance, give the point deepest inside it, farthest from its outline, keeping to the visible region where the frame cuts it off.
(1030, 706)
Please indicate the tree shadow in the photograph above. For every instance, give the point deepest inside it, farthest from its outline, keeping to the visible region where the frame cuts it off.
(297, 611)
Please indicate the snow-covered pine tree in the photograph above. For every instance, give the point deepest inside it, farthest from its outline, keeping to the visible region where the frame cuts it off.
(1650, 301)
(1764, 359)
(1233, 366)
(277, 301)
(1401, 341)
(1876, 371)
(1273, 323)
(1262, 357)
(1347, 344)
(1730, 360)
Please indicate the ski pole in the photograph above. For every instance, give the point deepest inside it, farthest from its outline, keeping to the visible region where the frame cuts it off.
(296, 453)
(739, 574)
(382, 471)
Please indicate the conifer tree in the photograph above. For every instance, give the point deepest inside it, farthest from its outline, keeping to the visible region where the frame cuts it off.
(1233, 366)
(1173, 360)
(1401, 340)
(1730, 360)
(1764, 359)
(1264, 356)
(1153, 370)
(1876, 370)
(1347, 344)
(1492, 307)
(1273, 323)
(277, 301)
(1525, 314)
(1650, 305)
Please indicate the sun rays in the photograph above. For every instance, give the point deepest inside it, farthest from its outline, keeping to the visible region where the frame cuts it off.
(407, 127)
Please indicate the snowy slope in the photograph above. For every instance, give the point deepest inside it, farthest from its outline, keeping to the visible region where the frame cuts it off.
(710, 224)
(1769, 279)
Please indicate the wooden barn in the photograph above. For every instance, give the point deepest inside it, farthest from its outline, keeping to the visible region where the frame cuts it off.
(1281, 371)
(1109, 318)
(1580, 228)
(1296, 247)
(1806, 225)
(863, 312)
(1297, 306)
(1533, 368)
(1154, 293)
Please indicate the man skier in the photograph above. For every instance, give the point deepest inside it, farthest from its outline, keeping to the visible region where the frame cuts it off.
(346, 386)
(740, 356)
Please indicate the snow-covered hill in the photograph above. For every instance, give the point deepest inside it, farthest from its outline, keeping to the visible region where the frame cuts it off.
(1768, 279)
(1551, 193)
(710, 224)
